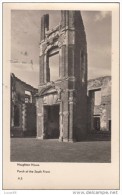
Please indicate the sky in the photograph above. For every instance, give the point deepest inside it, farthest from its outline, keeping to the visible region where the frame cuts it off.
(25, 38)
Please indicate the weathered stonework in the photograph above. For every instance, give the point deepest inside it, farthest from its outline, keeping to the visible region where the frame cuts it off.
(103, 110)
(69, 92)
(23, 114)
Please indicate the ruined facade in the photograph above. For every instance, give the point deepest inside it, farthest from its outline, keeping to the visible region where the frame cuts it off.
(23, 108)
(62, 101)
(65, 106)
(99, 104)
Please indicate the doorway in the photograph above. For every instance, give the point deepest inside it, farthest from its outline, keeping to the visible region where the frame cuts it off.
(97, 123)
(51, 121)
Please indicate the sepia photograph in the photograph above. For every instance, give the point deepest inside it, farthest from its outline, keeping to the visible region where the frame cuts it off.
(61, 87)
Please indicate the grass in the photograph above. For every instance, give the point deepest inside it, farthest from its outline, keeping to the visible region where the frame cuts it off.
(34, 150)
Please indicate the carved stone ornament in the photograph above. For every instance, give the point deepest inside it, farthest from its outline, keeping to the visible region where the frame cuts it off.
(61, 39)
(55, 39)
(65, 113)
(45, 99)
(72, 96)
(50, 41)
(95, 84)
(44, 46)
(59, 90)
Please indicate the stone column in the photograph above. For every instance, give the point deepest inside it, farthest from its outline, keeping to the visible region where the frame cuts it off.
(42, 126)
(65, 117)
(66, 54)
(40, 118)
(24, 117)
(45, 68)
(71, 52)
(60, 63)
(71, 115)
(66, 126)
(63, 61)
(61, 122)
(41, 69)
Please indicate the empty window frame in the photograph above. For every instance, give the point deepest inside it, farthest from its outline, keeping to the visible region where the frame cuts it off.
(54, 66)
(28, 97)
(97, 98)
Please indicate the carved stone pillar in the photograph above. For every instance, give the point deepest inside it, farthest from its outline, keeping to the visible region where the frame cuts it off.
(71, 115)
(45, 68)
(41, 69)
(66, 126)
(61, 122)
(40, 135)
(40, 119)
(63, 61)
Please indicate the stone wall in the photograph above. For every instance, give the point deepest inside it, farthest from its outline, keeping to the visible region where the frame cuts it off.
(26, 111)
(104, 109)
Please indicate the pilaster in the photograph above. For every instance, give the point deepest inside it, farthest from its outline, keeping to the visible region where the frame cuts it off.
(71, 115)
(24, 117)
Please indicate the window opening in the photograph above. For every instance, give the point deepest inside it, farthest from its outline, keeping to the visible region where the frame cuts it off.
(54, 66)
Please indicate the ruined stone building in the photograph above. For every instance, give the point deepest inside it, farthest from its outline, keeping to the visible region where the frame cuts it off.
(67, 107)
(99, 104)
(23, 108)
(62, 101)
